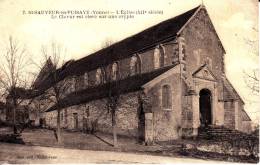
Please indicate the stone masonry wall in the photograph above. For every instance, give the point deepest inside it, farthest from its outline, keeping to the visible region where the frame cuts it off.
(202, 45)
(96, 114)
(167, 122)
(229, 115)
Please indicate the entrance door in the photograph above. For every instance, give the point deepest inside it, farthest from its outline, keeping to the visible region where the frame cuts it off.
(205, 107)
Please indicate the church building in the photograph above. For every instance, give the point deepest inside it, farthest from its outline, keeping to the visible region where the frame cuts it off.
(169, 80)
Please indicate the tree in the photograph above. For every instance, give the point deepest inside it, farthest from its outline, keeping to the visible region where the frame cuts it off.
(56, 54)
(112, 81)
(252, 80)
(112, 105)
(14, 74)
(251, 77)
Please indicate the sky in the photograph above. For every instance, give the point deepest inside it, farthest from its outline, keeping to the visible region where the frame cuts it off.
(236, 21)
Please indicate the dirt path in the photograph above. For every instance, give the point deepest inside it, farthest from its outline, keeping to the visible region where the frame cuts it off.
(14, 153)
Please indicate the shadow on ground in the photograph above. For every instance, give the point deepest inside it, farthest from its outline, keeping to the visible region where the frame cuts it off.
(103, 142)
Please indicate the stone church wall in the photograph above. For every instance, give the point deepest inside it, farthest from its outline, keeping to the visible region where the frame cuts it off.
(96, 114)
(201, 44)
(187, 116)
(229, 115)
(246, 126)
(167, 122)
(147, 59)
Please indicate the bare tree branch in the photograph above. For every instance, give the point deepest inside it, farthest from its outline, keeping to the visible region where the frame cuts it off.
(13, 71)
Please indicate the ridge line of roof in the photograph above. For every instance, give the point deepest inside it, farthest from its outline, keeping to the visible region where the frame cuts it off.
(197, 8)
(141, 32)
(234, 89)
(126, 47)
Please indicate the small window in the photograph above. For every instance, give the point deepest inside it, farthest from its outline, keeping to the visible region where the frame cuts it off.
(114, 73)
(99, 76)
(158, 57)
(86, 80)
(166, 97)
(135, 65)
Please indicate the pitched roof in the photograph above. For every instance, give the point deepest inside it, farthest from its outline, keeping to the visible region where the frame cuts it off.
(127, 47)
(204, 67)
(245, 116)
(229, 91)
(44, 73)
(130, 84)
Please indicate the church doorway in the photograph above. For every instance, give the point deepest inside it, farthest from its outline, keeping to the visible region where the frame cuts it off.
(205, 108)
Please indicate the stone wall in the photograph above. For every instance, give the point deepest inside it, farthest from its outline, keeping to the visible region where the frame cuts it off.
(167, 122)
(202, 43)
(95, 114)
(246, 126)
(203, 46)
(187, 116)
(229, 115)
(147, 59)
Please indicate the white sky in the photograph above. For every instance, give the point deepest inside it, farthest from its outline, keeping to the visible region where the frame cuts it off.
(234, 21)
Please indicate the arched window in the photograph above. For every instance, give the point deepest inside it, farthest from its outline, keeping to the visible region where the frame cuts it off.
(166, 97)
(135, 65)
(114, 71)
(158, 57)
(86, 80)
(99, 76)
